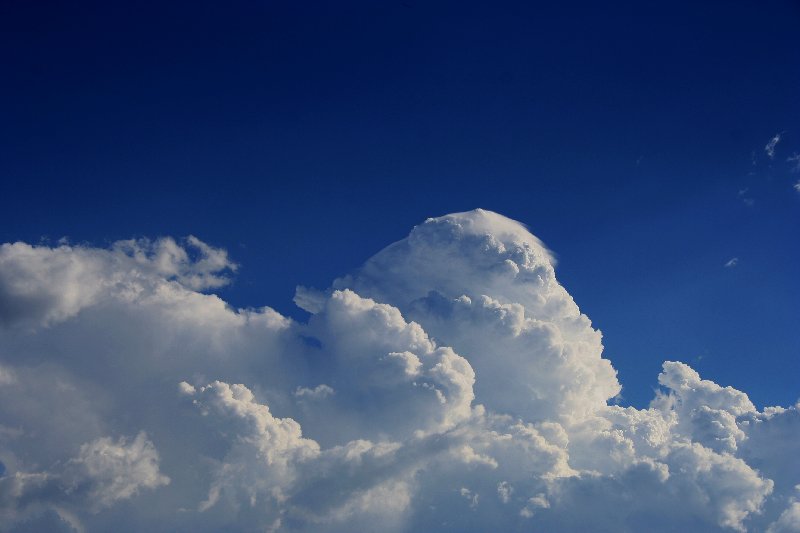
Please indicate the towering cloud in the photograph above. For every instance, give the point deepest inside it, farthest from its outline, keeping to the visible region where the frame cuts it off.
(449, 384)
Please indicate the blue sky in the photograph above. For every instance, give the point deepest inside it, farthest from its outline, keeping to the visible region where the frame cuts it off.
(629, 138)
(171, 172)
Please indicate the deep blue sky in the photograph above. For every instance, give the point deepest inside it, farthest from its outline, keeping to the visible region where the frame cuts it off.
(304, 137)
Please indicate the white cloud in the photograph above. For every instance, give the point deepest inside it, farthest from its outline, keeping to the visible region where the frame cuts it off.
(770, 146)
(493, 297)
(40, 286)
(319, 392)
(743, 194)
(789, 520)
(104, 473)
(450, 384)
(263, 457)
(7, 376)
(117, 470)
(504, 491)
(794, 159)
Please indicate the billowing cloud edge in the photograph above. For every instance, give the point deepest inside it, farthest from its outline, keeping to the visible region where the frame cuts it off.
(450, 383)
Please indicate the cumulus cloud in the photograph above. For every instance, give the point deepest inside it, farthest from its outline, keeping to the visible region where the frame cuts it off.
(789, 520)
(41, 285)
(449, 384)
(104, 472)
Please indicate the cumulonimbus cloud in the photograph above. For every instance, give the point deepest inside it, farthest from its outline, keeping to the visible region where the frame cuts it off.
(449, 384)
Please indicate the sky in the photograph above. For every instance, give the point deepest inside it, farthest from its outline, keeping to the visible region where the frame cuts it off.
(222, 155)
(630, 138)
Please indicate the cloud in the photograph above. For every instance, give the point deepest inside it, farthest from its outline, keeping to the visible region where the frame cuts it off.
(41, 285)
(317, 393)
(743, 194)
(789, 520)
(794, 159)
(449, 384)
(769, 148)
(103, 473)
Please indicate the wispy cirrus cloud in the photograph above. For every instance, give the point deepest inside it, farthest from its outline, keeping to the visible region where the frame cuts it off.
(744, 196)
(769, 148)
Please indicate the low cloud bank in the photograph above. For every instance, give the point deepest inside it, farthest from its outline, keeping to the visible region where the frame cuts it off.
(449, 384)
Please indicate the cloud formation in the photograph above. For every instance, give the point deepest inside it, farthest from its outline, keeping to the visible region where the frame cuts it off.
(449, 384)
(794, 160)
(769, 148)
